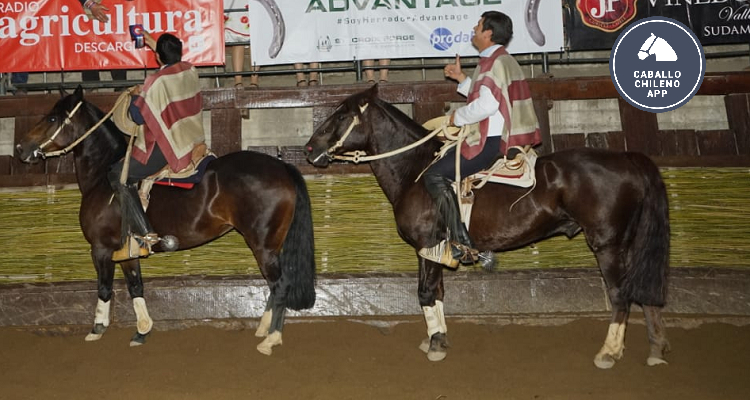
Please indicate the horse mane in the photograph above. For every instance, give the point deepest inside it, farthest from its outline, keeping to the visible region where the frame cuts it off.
(104, 146)
(405, 131)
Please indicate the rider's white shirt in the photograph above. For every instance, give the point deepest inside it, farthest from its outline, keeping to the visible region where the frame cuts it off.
(485, 106)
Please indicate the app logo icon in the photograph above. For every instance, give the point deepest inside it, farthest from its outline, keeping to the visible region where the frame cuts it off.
(657, 64)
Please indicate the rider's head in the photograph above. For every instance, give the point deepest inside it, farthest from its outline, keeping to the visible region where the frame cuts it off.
(501, 26)
(169, 49)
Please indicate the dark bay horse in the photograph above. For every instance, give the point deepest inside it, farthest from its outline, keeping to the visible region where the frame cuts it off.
(261, 197)
(617, 199)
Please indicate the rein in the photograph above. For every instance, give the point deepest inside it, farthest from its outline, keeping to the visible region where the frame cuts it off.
(358, 156)
(40, 150)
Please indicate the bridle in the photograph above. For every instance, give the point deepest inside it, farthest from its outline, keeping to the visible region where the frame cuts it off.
(40, 151)
(358, 156)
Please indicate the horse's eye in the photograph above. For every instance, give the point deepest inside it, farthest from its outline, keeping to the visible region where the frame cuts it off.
(342, 117)
(52, 118)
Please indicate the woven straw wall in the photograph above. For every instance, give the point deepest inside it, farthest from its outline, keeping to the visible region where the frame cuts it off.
(355, 233)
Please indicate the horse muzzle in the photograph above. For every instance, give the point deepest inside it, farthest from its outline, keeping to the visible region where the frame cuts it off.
(30, 154)
(317, 158)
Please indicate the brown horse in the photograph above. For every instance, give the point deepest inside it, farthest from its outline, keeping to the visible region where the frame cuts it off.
(261, 197)
(617, 199)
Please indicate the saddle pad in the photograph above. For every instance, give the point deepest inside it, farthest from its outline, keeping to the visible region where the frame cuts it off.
(522, 177)
(189, 181)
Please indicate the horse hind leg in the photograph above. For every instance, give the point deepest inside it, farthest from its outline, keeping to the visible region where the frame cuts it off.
(659, 345)
(614, 344)
(271, 324)
(272, 321)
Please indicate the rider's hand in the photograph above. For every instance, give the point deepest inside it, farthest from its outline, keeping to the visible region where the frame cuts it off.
(98, 12)
(453, 71)
(149, 40)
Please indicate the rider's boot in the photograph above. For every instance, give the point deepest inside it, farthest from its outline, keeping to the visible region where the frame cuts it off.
(137, 233)
(460, 248)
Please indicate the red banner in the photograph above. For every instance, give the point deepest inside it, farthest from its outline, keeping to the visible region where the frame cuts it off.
(56, 35)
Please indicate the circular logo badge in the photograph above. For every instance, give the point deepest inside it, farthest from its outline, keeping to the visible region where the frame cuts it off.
(657, 64)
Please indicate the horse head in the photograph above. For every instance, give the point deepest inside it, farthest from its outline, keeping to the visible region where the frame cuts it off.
(54, 131)
(343, 130)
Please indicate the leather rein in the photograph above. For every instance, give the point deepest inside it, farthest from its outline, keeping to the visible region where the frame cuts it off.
(40, 151)
(358, 156)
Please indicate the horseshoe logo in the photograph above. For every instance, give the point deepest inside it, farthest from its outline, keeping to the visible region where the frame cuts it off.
(532, 22)
(279, 27)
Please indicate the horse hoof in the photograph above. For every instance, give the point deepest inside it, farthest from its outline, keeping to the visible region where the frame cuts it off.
(92, 337)
(435, 347)
(652, 361)
(266, 346)
(425, 345)
(138, 339)
(604, 361)
(96, 333)
(436, 355)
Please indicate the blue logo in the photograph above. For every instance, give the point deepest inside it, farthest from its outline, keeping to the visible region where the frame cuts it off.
(442, 38)
(657, 64)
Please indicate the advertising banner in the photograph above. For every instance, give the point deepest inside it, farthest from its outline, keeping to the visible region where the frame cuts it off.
(56, 35)
(284, 32)
(596, 24)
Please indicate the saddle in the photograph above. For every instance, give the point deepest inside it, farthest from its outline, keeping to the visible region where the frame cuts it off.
(185, 179)
(516, 172)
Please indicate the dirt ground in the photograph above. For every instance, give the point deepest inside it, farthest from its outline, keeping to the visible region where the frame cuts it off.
(345, 359)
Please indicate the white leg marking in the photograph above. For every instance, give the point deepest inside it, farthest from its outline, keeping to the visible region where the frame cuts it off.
(101, 316)
(144, 322)
(102, 312)
(264, 324)
(266, 346)
(435, 318)
(613, 348)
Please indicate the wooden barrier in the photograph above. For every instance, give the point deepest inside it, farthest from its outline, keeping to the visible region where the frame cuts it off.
(640, 132)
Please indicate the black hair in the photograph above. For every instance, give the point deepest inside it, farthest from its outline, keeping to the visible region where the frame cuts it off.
(169, 49)
(501, 26)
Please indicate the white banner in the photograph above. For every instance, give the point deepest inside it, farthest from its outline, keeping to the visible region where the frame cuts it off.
(289, 31)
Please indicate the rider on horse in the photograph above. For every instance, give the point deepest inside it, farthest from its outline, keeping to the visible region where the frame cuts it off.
(499, 101)
(168, 111)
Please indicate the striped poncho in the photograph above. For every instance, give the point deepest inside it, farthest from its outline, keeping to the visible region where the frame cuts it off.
(503, 76)
(171, 106)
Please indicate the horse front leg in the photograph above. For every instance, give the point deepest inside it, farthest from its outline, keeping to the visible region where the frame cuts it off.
(132, 271)
(430, 292)
(105, 272)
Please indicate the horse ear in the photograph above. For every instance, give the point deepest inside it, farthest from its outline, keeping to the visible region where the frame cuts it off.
(78, 94)
(63, 92)
(373, 91)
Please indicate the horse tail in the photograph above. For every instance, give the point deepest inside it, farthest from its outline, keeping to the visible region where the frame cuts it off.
(647, 258)
(297, 258)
